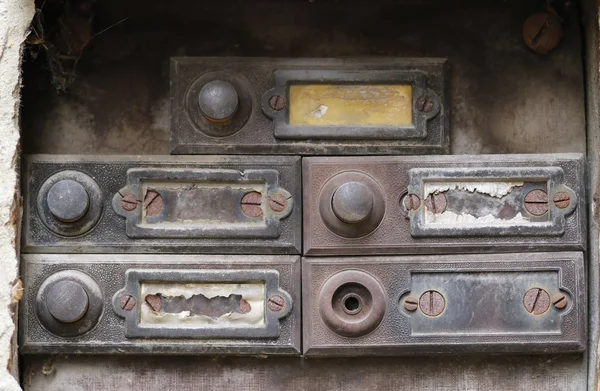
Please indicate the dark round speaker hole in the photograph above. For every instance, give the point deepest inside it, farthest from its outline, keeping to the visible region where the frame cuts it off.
(352, 304)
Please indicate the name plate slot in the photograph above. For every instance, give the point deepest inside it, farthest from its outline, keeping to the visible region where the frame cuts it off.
(327, 104)
(203, 304)
(499, 303)
(204, 203)
(490, 201)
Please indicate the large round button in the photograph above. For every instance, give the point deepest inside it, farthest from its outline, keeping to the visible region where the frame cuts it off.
(352, 202)
(67, 301)
(218, 100)
(68, 200)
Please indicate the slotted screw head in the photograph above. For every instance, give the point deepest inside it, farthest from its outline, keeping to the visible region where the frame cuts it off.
(536, 202)
(559, 300)
(424, 104)
(129, 202)
(277, 202)
(412, 202)
(562, 200)
(154, 302)
(411, 303)
(277, 102)
(276, 303)
(432, 303)
(153, 203)
(542, 32)
(536, 301)
(127, 302)
(251, 204)
(436, 203)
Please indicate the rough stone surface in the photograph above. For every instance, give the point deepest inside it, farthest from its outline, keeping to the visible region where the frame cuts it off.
(15, 16)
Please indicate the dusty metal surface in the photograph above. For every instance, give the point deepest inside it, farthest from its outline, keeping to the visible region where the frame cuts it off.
(467, 304)
(167, 204)
(438, 204)
(544, 372)
(504, 99)
(268, 320)
(274, 117)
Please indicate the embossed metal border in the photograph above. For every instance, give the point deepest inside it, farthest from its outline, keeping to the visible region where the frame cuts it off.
(285, 78)
(136, 176)
(554, 176)
(135, 277)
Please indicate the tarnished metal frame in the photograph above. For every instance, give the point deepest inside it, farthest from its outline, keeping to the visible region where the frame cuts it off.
(285, 78)
(254, 131)
(135, 228)
(553, 176)
(135, 277)
(392, 236)
(108, 336)
(393, 336)
(109, 234)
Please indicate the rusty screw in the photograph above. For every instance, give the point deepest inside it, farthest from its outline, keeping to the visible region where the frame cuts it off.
(536, 202)
(153, 202)
(129, 202)
(542, 32)
(412, 202)
(536, 301)
(424, 104)
(277, 202)
(436, 203)
(562, 200)
(154, 302)
(127, 302)
(277, 102)
(432, 303)
(411, 303)
(276, 303)
(559, 300)
(251, 204)
(245, 307)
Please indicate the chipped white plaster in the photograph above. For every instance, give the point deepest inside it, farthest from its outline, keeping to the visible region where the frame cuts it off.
(451, 218)
(495, 189)
(15, 17)
(320, 111)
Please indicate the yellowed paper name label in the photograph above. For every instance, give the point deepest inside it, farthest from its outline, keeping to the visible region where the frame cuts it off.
(350, 105)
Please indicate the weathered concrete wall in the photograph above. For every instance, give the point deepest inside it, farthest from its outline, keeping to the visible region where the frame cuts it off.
(15, 17)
